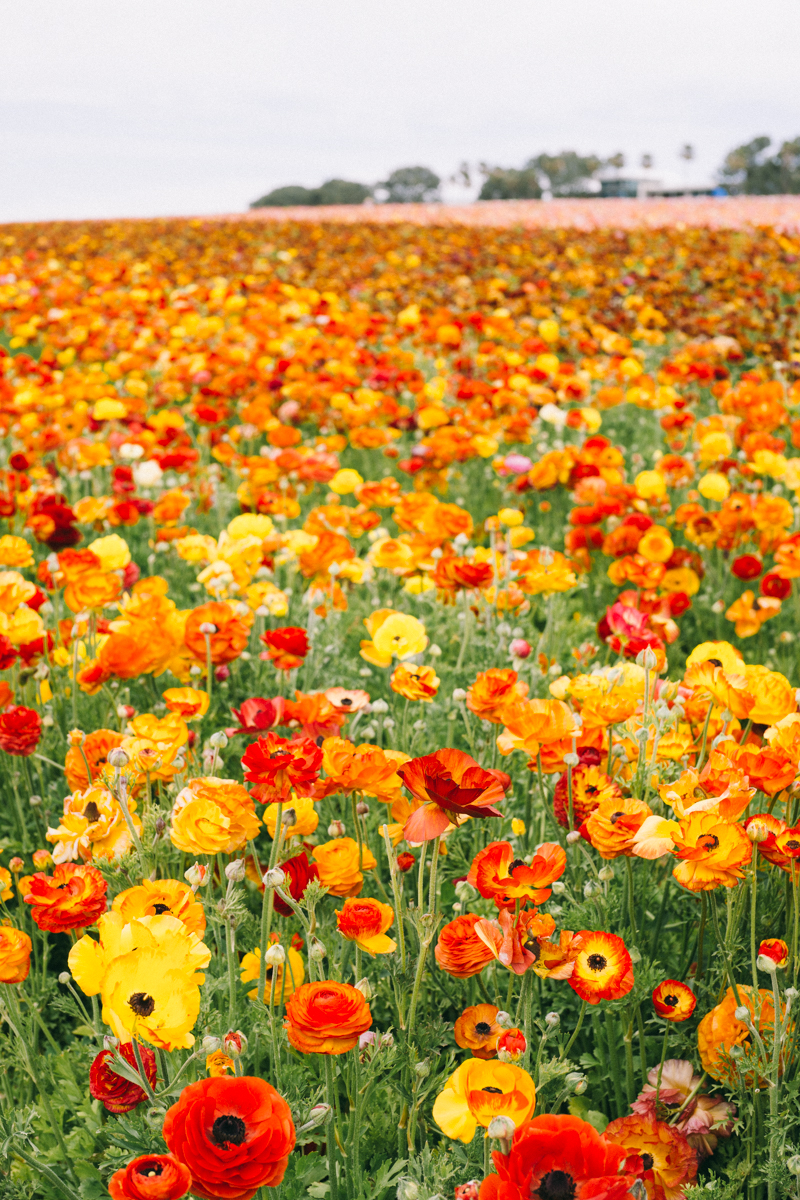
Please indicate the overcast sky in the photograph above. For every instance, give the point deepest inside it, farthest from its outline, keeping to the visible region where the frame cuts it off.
(157, 107)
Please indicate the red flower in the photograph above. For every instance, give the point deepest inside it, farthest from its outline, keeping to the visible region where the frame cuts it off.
(775, 586)
(747, 566)
(674, 1001)
(558, 1157)
(8, 653)
(449, 782)
(776, 950)
(258, 714)
(116, 1092)
(72, 897)
(277, 765)
(299, 872)
(20, 730)
(234, 1134)
(151, 1177)
(499, 876)
(603, 969)
(286, 647)
(405, 861)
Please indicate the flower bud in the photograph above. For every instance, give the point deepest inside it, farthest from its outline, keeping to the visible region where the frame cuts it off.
(207, 628)
(520, 648)
(736, 1052)
(459, 694)
(35, 802)
(317, 950)
(504, 1020)
(572, 837)
(110, 1042)
(503, 1130)
(316, 1117)
(362, 808)
(757, 831)
(76, 737)
(465, 891)
(275, 955)
(765, 963)
(234, 1043)
(647, 659)
(511, 1045)
(552, 1020)
(573, 1078)
(407, 1189)
(336, 829)
(16, 865)
(742, 1013)
(423, 1069)
(235, 871)
(276, 877)
(365, 988)
(793, 1164)
(197, 876)
(571, 760)
(605, 874)
(64, 978)
(211, 1044)
(218, 740)
(117, 758)
(42, 859)
(288, 818)
(468, 1190)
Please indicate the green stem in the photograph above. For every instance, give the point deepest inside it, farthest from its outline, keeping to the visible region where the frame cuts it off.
(565, 1051)
(331, 1131)
(724, 951)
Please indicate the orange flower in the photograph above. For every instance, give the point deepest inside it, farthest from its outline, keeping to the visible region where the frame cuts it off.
(213, 816)
(340, 870)
(516, 943)
(228, 639)
(15, 954)
(712, 853)
(96, 748)
(449, 782)
(91, 589)
(499, 876)
(152, 898)
(557, 959)
(72, 897)
(603, 968)
(460, 951)
(776, 950)
(590, 787)
(532, 724)
(365, 768)
(720, 1029)
(326, 1018)
(493, 691)
(414, 683)
(365, 922)
(674, 1001)
(187, 702)
(669, 1162)
(477, 1030)
(750, 614)
(613, 825)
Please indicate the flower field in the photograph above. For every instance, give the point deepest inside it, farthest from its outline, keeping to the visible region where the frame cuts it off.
(400, 743)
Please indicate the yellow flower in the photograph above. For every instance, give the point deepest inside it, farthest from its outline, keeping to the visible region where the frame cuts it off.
(656, 545)
(306, 817)
(109, 410)
(714, 486)
(146, 973)
(6, 890)
(345, 481)
(400, 635)
(251, 525)
(218, 1064)
(213, 816)
(415, 683)
(338, 865)
(478, 1092)
(650, 485)
(112, 551)
(511, 517)
(155, 897)
(93, 826)
(188, 702)
(282, 983)
(15, 552)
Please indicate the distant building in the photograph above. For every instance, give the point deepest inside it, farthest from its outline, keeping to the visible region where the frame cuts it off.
(641, 183)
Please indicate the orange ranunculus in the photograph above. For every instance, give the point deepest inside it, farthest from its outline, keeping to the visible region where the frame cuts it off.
(365, 922)
(477, 1030)
(727, 690)
(341, 865)
(230, 636)
(712, 853)
(613, 825)
(493, 691)
(313, 713)
(15, 954)
(366, 768)
(187, 702)
(72, 897)
(152, 898)
(516, 942)
(460, 951)
(92, 589)
(603, 969)
(213, 816)
(449, 784)
(326, 1018)
(765, 830)
(768, 767)
(774, 695)
(719, 1030)
(96, 748)
(673, 1000)
(414, 683)
(590, 787)
(532, 724)
(670, 1162)
(499, 876)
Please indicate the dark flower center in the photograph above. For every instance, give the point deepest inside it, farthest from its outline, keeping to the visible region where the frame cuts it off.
(615, 817)
(596, 962)
(647, 1162)
(141, 1003)
(591, 790)
(672, 1001)
(710, 842)
(556, 1185)
(793, 845)
(714, 662)
(160, 908)
(518, 862)
(149, 1169)
(483, 1027)
(91, 812)
(345, 702)
(229, 1129)
(494, 1091)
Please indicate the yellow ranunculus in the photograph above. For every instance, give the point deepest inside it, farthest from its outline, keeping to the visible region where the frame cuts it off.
(15, 551)
(213, 816)
(478, 1092)
(345, 481)
(511, 517)
(714, 486)
(650, 485)
(400, 635)
(282, 983)
(109, 410)
(305, 822)
(112, 551)
(250, 525)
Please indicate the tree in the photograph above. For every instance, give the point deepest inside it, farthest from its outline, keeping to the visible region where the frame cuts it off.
(284, 197)
(565, 174)
(410, 185)
(506, 183)
(341, 191)
(751, 170)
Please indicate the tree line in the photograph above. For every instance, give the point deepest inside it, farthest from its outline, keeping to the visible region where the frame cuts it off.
(758, 167)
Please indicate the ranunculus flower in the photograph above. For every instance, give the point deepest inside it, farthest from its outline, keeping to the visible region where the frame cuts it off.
(449, 783)
(15, 954)
(603, 968)
(228, 640)
(286, 647)
(257, 714)
(365, 922)
(151, 1177)
(20, 730)
(477, 1092)
(277, 766)
(115, 1092)
(460, 951)
(72, 897)
(326, 1018)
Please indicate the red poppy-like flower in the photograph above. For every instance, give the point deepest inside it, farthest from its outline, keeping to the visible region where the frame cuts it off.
(450, 784)
(72, 897)
(405, 861)
(674, 1001)
(277, 765)
(258, 714)
(118, 1094)
(558, 1158)
(747, 566)
(20, 730)
(8, 653)
(151, 1177)
(234, 1134)
(498, 875)
(775, 586)
(776, 950)
(603, 969)
(286, 647)
(299, 872)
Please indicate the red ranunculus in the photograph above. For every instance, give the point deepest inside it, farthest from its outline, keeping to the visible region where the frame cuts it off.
(775, 586)
(277, 765)
(8, 653)
(71, 898)
(20, 730)
(114, 1091)
(258, 714)
(299, 872)
(449, 782)
(151, 1177)
(286, 647)
(747, 566)
(234, 1135)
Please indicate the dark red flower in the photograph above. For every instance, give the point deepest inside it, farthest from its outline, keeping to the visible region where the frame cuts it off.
(118, 1094)
(449, 782)
(234, 1134)
(405, 861)
(20, 730)
(72, 897)
(299, 872)
(747, 566)
(286, 647)
(8, 653)
(258, 714)
(277, 765)
(775, 586)
(151, 1177)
